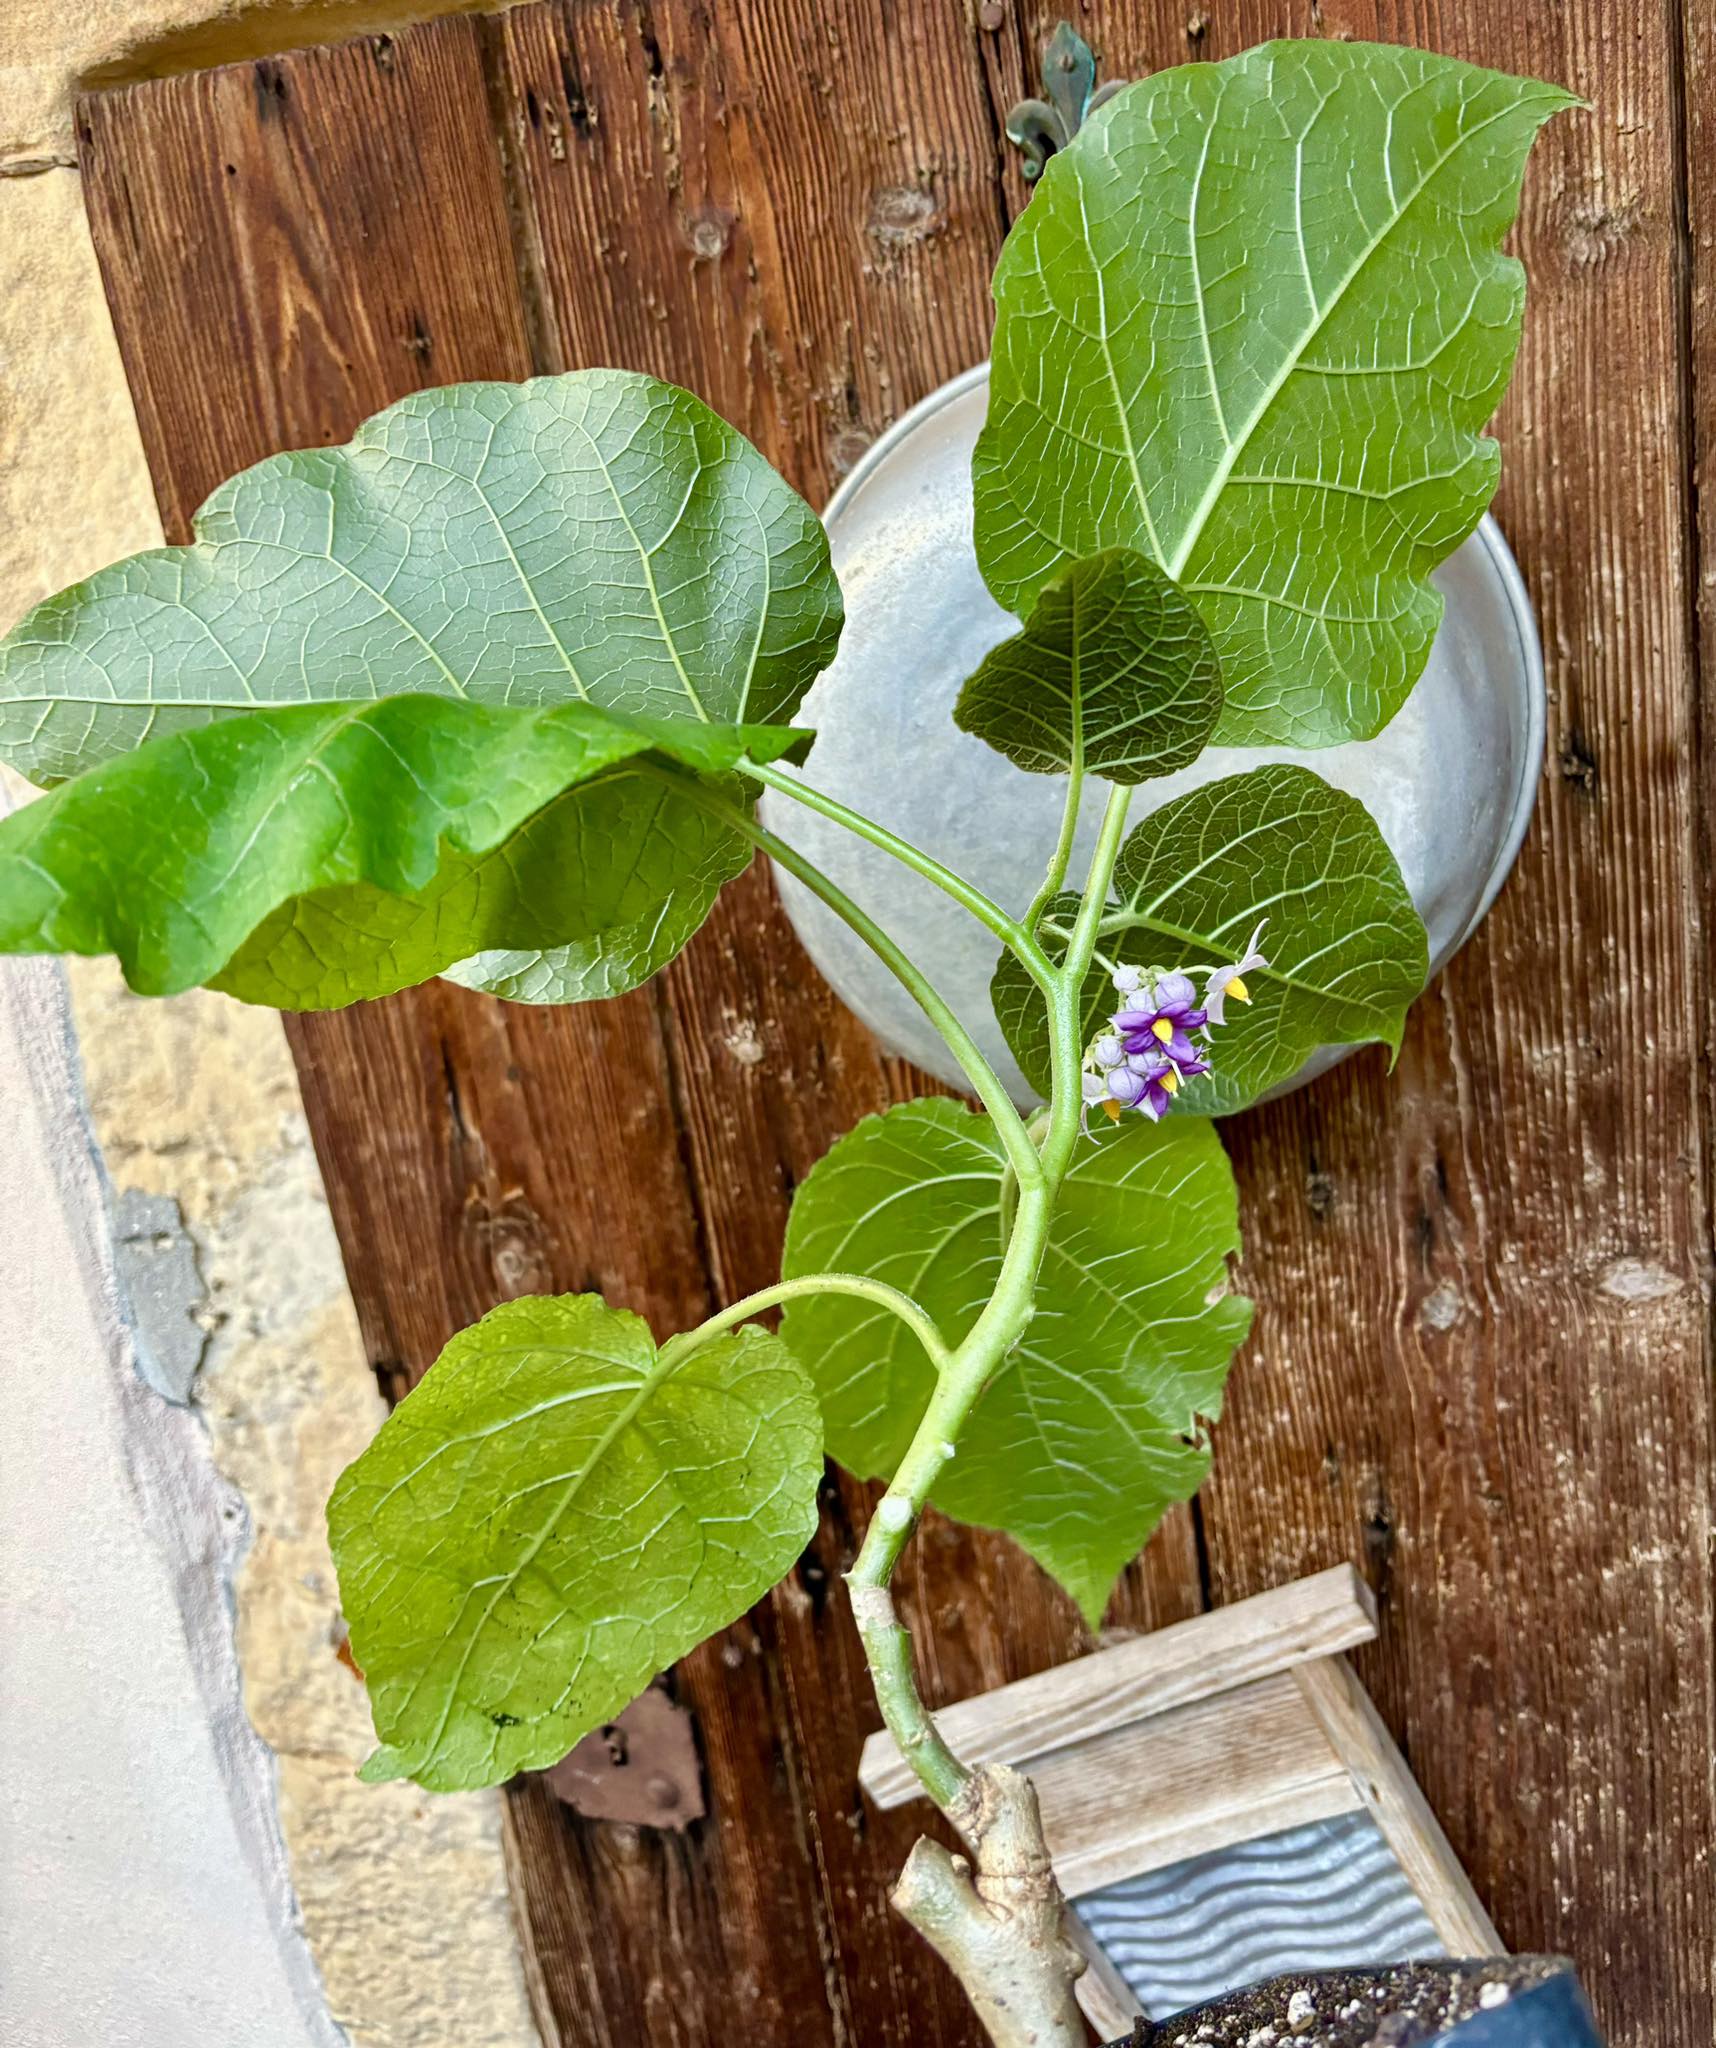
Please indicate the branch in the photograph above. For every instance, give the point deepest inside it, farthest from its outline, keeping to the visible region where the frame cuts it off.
(985, 1083)
(859, 1285)
(1018, 938)
(998, 1926)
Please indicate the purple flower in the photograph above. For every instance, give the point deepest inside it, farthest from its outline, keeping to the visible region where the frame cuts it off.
(1142, 1080)
(1226, 982)
(1161, 1020)
(1148, 1050)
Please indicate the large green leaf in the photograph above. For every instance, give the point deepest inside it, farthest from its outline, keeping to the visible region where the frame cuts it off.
(1114, 673)
(1252, 324)
(258, 836)
(598, 538)
(553, 1516)
(590, 896)
(1278, 847)
(1091, 1429)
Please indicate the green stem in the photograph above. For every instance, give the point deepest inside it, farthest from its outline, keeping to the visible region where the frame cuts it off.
(1018, 937)
(1066, 1033)
(985, 1082)
(980, 1355)
(1055, 879)
(857, 1284)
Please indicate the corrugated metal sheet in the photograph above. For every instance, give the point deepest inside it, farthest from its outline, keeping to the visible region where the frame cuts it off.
(1311, 1898)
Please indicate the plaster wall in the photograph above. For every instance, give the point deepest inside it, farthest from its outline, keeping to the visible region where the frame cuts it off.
(204, 1890)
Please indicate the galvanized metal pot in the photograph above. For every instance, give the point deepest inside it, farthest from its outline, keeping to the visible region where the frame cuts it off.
(1497, 2002)
(1451, 782)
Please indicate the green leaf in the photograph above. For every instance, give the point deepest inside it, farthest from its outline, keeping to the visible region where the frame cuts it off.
(1114, 673)
(597, 537)
(1091, 1429)
(587, 899)
(1252, 324)
(1278, 847)
(250, 840)
(554, 1515)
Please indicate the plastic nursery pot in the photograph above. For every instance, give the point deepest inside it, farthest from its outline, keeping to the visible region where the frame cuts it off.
(1496, 2002)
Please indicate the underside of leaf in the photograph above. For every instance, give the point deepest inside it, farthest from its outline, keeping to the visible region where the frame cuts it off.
(599, 542)
(1114, 674)
(311, 856)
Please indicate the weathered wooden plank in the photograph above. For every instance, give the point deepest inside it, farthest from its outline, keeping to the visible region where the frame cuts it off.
(1199, 1777)
(1347, 1715)
(1482, 1359)
(1131, 1681)
(772, 206)
(1482, 1367)
(288, 246)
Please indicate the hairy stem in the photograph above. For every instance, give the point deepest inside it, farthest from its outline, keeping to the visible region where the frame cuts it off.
(1066, 997)
(858, 1284)
(985, 1082)
(1055, 880)
(969, 1368)
(999, 1927)
(1018, 937)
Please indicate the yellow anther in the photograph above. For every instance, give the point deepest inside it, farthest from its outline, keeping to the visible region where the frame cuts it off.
(1238, 990)
(1170, 1080)
(1163, 1029)
(1111, 1109)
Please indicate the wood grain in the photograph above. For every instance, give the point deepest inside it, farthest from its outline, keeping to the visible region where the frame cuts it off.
(1189, 1660)
(1199, 1777)
(1357, 1734)
(1482, 1368)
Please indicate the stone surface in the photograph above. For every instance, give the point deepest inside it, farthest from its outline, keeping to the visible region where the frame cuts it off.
(158, 1276)
(144, 1897)
(403, 1896)
(73, 489)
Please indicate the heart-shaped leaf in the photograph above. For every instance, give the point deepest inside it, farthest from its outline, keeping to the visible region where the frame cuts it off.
(249, 845)
(590, 897)
(553, 1516)
(1092, 1428)
(1113, 673)
(1252, 324)
(1277, 847)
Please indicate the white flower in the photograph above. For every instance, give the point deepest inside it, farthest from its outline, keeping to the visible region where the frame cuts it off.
(1230, 981)
(1127, 980)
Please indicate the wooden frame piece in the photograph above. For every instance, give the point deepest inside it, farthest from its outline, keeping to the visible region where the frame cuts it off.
(1240, 1723)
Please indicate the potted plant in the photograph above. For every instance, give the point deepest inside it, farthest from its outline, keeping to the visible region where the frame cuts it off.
(493, 691)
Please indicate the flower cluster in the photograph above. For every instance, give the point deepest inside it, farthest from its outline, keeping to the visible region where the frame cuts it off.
(1159, 1037)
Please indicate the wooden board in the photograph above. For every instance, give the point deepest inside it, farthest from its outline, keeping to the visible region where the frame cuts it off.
(1482, 1366)
(1131, 1681)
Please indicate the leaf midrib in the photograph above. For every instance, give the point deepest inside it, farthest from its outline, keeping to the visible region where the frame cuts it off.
(1236, 445)
(1135, 920)
(661, 1367)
